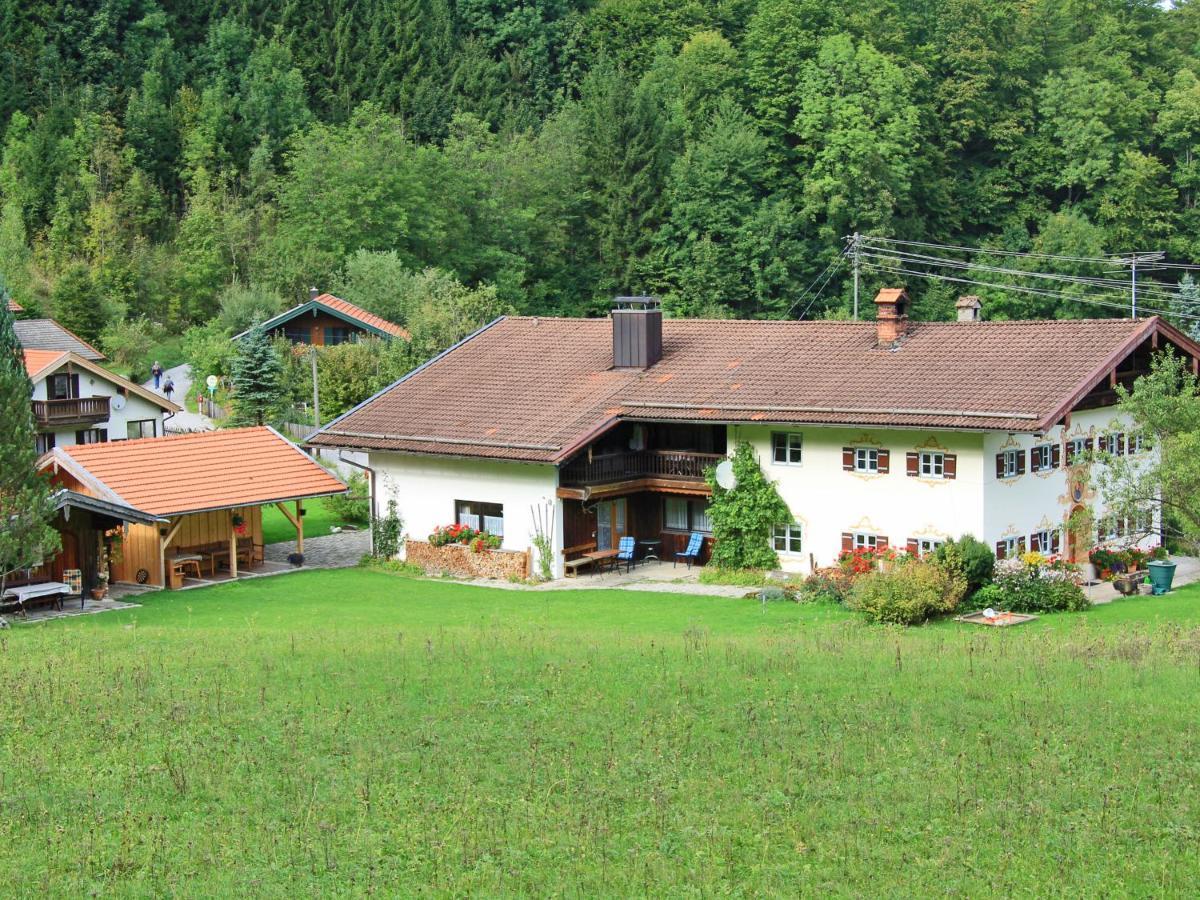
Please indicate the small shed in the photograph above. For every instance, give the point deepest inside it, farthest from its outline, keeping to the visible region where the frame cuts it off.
(205, 490)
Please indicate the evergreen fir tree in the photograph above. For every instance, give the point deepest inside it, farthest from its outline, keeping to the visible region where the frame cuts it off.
(257, 380)
(1186, 306)
(76, 304)
(26, 507)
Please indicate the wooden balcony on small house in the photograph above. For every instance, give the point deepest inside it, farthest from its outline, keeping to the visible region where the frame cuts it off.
(71, 411)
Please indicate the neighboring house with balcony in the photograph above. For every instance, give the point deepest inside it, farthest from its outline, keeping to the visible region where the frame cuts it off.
(884, 432)
(76, 401)
(325, 320)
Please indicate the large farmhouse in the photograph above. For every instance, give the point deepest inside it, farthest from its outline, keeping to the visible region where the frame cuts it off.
(887, 432)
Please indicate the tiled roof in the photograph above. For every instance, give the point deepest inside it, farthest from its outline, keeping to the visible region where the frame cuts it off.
(39, 361)
(14, 306)
(206, 470)
(337, 307)
(46, 334)
(537, 389)
(361, 315)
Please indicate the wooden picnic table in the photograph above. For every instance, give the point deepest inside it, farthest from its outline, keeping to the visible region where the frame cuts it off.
(24, 593)
(602, 558)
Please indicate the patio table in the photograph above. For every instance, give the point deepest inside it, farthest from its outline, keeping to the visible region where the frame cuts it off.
(650, 548)
(26, 592)
(602, 558)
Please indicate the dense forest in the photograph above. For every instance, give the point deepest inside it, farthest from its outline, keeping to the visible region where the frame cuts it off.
(168, 164)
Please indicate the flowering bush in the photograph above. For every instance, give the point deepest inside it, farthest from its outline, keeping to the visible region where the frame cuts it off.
(1033, 583)
(911, 593)
(862, 560)
(830, 585)
(465, 535)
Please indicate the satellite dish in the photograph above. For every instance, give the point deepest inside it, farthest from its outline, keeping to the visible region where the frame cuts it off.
(725, 476)
(117, 402)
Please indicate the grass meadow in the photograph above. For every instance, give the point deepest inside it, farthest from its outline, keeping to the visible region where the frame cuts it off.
(345, 733)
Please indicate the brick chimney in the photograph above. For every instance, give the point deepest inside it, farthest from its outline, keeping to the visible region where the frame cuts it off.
(968, 308)
(891, 316)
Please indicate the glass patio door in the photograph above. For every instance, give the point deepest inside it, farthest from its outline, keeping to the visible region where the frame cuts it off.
(610, 523)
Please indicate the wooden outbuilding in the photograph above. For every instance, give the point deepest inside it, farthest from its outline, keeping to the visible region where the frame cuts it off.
(205, 492)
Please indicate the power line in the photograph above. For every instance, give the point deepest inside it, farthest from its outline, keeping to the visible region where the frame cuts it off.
(1058, 295)
(943, 262)
(827, 274)
(992, 252)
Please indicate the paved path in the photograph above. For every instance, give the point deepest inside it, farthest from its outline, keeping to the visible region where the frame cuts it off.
(182, 421)
(333, 551)
(1187, 570)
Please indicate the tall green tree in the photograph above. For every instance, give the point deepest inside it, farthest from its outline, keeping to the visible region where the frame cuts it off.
(257, 380)
(26, 505)
(76, 303)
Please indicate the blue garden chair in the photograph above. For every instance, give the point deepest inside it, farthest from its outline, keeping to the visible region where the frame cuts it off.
(692, 553)
(625, 550)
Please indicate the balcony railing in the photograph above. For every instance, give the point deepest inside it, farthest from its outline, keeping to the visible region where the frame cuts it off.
(673, 464)
(69, 412)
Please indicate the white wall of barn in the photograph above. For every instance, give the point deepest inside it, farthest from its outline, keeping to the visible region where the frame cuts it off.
(425, 489)
(829, 502)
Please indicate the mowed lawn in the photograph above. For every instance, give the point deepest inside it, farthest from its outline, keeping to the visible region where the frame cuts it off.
(339, 733)
(317, 521)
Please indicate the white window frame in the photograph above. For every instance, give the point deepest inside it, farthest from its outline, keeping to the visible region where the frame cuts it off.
(931, 464)
(1078, 447)
(1043, 458)
(1012, 463)
(1045, 540)
(788, 539)
(866, 460)
(1012, 546)
(865, 540)
(925, 546)
(792, 446)
(1134, 443)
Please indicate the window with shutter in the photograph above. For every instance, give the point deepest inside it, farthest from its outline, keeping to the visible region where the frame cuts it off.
(1035, 542)
(933, 465)
(885, 457)
(1000, 547)
(999, 465)
(847, 540)
(950, 465)
(848, 459)
(1020, 462)
(1055, 456)
(914, 546)
(1118, 440)
(911, 463)
(1010, 464)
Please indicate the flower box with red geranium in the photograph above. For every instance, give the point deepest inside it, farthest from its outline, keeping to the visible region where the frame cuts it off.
(479, 541)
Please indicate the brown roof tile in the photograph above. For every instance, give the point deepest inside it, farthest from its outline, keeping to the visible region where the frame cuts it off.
(537, 388)
(345, 307)
(194, 472)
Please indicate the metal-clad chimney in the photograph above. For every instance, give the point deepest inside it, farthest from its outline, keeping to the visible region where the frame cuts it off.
(637, 332)
(313, 293)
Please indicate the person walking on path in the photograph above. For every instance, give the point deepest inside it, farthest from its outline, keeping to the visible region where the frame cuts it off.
(168, 387)
(157, 371)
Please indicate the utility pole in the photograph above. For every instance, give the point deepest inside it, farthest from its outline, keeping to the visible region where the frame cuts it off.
(1132, 260)
(854, 243)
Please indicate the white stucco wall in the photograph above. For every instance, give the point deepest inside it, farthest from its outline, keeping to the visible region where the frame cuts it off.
(828, 501)
(426, 488)
(1036, 501)
(90, 385)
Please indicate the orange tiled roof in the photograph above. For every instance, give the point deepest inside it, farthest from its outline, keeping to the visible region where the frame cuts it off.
(207, 470)
(38, 361)
(14, 306)
(346, 308)
(536, 389)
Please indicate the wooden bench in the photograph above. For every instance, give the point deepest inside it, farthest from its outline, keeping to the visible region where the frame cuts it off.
(573, 560)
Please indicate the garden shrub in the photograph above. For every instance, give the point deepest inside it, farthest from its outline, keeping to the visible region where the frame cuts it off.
(828, 585)
(354, 506)
(1033, 584)
(966, 558)
(908, 595)
(387, 533)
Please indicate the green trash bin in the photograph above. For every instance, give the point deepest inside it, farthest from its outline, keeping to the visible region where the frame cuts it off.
(1162, 572)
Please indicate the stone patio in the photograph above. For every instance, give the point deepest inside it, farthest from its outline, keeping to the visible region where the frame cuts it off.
(1187, 570)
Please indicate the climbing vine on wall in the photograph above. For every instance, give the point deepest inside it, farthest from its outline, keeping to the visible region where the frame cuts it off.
(744, 517)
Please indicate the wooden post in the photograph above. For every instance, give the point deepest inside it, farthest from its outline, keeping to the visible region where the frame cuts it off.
(163, 544)
(232, 548)
(299, 526)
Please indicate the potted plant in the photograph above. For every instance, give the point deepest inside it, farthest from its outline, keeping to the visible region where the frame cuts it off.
(100, 591)
(239, 525)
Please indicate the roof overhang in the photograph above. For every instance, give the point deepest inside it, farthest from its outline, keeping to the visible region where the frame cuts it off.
(314, 306)
(67, 499)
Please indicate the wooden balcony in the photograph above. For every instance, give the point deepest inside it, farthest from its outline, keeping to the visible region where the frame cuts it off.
(639, 470)
(75, 411)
